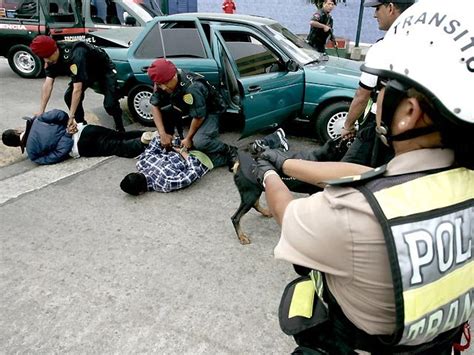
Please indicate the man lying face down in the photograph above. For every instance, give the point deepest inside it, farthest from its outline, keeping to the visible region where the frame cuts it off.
(47, 139)
(165, 171)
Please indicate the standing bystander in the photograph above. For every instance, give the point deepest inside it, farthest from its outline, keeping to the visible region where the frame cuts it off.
(321, 26)
(228, 6)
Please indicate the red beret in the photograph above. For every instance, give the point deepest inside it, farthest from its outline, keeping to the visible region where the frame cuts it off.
(161, 71)
(43, 46)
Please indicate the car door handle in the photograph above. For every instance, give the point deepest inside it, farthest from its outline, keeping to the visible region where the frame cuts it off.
(145, 69)
(254, 88)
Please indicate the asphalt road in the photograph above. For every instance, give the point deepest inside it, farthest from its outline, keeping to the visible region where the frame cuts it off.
(85, 268)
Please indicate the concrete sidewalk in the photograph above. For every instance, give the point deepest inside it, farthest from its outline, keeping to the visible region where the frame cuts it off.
(86, 268)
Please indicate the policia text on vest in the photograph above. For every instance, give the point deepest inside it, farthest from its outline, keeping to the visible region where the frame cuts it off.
(429, 240)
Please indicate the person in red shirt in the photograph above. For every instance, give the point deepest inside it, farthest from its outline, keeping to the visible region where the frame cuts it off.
(228, 6)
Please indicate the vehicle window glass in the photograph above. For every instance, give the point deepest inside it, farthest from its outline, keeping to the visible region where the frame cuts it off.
(293, 45)
(110, 13)
(152, 7)
(24, 9)
(251, 55)
(178, 42)
(231, 86)
(97, 11)
(61, 11)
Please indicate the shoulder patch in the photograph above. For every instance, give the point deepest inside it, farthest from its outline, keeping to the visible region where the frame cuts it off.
(73, 69)
(357, 179)
(188, 98)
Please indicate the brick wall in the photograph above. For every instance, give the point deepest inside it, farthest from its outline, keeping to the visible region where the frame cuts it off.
(295, 15)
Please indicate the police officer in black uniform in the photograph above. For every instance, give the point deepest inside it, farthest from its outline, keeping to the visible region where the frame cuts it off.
(87, 65)
(179, 94)
(321, 26)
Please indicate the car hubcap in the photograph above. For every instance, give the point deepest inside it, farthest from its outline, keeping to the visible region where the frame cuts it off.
(141, 103)
(335, 124)
(24, 61)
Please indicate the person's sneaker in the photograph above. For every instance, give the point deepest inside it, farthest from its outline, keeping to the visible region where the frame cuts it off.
(232, 156)
(148, 136)
(281, 142)
(272, 141)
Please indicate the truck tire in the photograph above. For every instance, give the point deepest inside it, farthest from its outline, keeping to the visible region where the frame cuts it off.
(330, 120)
(24, 62)
(138, 101)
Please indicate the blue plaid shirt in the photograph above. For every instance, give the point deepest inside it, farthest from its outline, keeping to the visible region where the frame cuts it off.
(168, 171)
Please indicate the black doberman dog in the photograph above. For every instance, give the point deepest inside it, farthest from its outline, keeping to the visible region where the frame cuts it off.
(250, 190)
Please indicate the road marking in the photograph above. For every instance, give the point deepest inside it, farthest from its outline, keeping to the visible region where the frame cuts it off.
(42, 176)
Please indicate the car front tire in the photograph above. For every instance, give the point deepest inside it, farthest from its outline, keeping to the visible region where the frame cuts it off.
(330, 120)
(138, 101)
(23, 62)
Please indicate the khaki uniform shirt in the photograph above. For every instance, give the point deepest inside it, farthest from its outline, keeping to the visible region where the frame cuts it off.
(336, 232)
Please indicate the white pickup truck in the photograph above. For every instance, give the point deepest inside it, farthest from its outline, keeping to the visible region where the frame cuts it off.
(72, 20)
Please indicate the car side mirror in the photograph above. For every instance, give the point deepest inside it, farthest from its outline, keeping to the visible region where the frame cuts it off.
(292, 66)
(130, 21)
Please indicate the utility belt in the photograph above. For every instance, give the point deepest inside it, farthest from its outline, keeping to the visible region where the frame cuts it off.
(309, 312)
(302, 306)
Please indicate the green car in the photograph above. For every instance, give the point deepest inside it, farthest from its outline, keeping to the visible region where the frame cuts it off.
(267, 74)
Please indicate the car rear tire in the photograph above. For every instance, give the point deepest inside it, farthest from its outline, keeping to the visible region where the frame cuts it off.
(330, 120)
(138, 101)
(24, 62)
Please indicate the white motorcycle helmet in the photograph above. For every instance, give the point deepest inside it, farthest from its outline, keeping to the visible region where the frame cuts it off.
(430, 47)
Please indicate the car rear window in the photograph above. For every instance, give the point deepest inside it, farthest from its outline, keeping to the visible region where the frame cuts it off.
(178, 42)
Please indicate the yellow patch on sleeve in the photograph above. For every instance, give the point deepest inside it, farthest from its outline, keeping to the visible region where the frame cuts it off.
(73, 69)
(188, 98)
(302, 300)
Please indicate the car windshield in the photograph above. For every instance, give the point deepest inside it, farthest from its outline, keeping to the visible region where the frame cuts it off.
(145, 9)
(294, 46)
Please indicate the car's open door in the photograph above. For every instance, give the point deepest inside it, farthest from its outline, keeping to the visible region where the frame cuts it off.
(271, 91)
(230, 87)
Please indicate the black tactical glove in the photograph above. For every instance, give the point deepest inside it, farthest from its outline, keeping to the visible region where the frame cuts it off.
(275, 156)
(261, 168)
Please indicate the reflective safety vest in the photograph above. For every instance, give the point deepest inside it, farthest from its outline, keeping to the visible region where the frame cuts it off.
(428, 224)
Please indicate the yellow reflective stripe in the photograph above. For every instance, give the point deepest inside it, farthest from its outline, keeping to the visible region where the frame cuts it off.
(317, 278)
(368, 107)
(417, 196)
(302, 300)
(423, 300)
